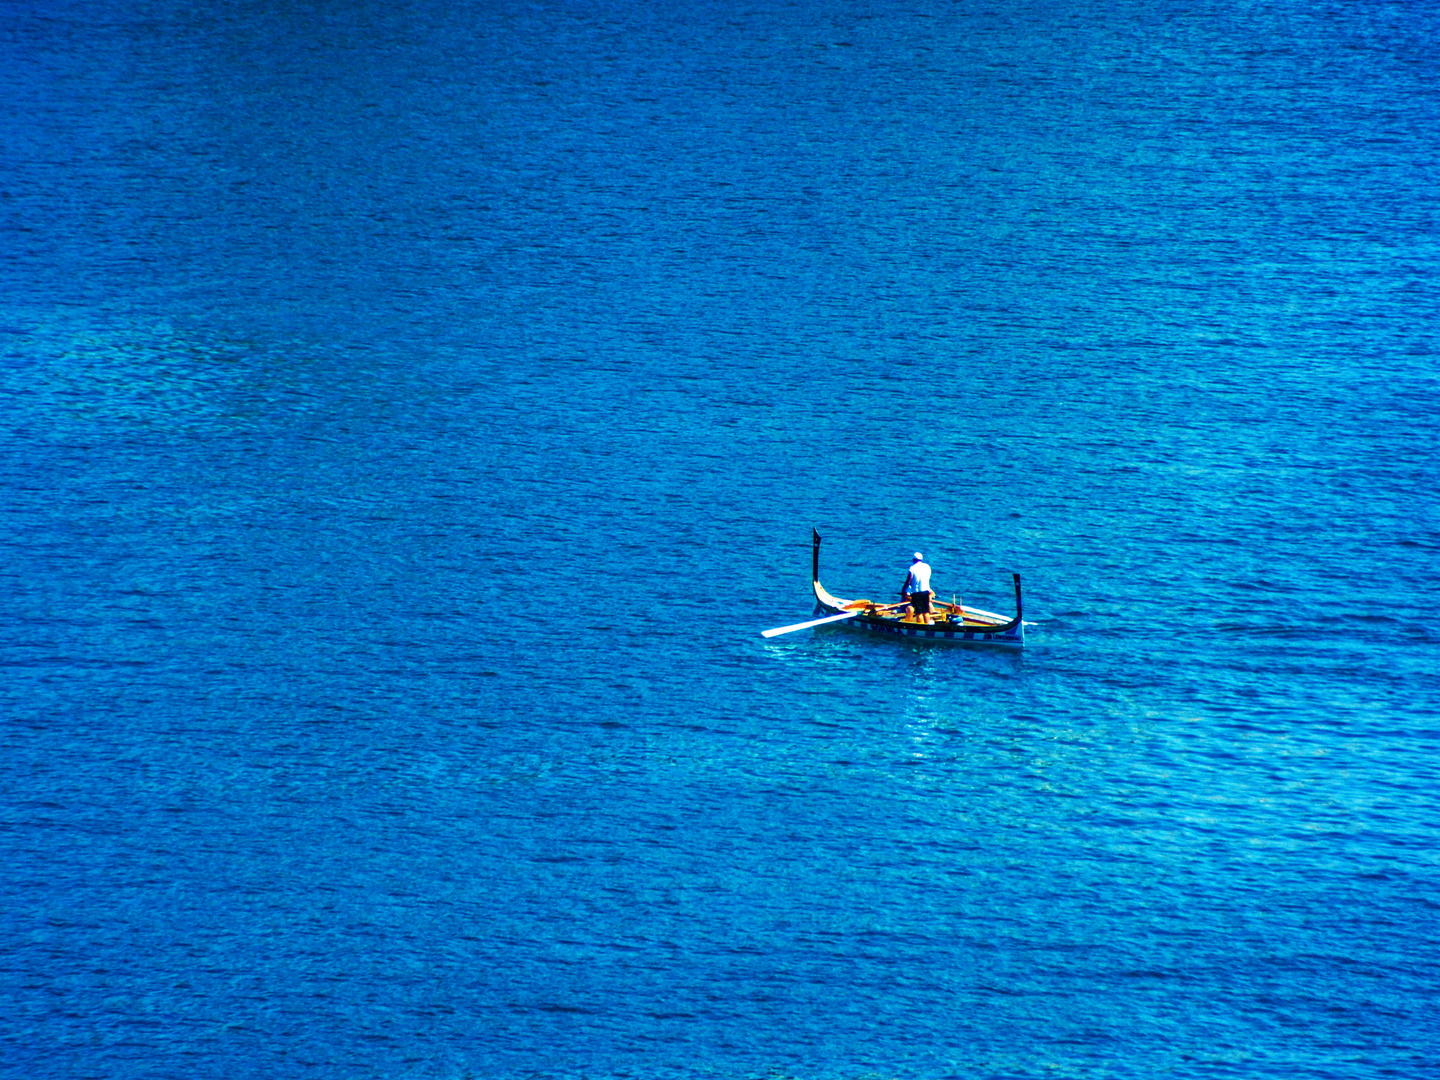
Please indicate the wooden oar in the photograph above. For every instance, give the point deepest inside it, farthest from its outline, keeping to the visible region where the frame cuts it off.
(813, 622)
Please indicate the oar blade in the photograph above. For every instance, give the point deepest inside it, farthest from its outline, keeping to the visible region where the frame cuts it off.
(806, 625)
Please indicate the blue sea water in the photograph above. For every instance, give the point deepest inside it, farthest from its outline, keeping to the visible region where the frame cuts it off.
(411, 413)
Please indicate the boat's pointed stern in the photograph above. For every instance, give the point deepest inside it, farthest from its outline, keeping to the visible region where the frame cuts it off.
(824, 602)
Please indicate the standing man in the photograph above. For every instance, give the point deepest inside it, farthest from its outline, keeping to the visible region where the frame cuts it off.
(917, 587)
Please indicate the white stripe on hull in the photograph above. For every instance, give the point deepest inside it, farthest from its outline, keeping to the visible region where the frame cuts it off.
(1011, 640)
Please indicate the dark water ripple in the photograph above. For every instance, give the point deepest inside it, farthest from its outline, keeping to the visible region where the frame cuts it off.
(411, 412)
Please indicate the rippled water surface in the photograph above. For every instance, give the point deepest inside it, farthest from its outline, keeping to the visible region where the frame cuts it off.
(412, 412)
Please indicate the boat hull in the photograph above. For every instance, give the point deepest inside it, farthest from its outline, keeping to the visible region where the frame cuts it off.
(940, 632)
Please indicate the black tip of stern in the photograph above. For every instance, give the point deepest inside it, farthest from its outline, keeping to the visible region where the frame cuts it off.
(1019, 610)
(815, 556)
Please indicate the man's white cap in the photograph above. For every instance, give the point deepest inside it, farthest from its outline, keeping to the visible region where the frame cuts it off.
(919, 557)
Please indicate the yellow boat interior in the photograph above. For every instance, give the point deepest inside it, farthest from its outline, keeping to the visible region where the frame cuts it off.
(941, 614)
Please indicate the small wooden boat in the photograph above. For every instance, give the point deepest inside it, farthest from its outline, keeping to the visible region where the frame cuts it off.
(953, 623)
